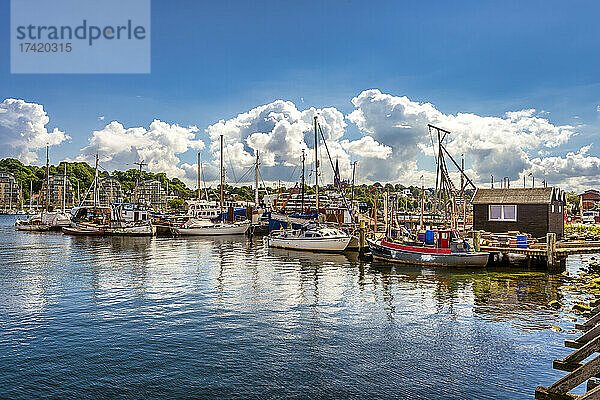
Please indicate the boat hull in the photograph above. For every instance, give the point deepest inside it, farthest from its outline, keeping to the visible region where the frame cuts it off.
(404, 256)
(139, 230)
(69, 230)
(338, 244)
(221, 230)
(32, 227)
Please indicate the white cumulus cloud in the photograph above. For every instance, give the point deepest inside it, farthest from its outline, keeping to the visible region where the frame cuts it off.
(23, 130)
(495, 145)
(158, 145)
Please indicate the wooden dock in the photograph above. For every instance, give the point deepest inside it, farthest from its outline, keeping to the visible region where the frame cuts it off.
(587, 345)
(551, 254)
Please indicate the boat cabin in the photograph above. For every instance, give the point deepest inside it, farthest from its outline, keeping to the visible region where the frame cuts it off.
(127, 212)
(536, 211)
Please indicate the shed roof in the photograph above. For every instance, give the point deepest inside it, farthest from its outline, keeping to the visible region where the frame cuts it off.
(518, 196)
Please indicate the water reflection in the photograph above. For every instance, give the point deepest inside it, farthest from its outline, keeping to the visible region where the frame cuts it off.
(500, 295)
(217, 316)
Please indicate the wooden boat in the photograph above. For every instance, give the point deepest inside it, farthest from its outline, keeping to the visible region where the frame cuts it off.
(31, 225)
(310, 237)
(203, 227)
(450, 251)
(123, 219)
(82, 230)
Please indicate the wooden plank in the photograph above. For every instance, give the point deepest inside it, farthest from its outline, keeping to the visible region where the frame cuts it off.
(593, 394)
(577, 377)
(589, 324)
(581, 354)
(573, 344)
(542, 393)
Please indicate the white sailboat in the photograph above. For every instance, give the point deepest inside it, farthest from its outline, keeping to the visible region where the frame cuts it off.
(203, 227)
(46, 220)
(310, 237)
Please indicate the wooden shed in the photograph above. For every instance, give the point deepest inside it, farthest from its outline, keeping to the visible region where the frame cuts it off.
(536, 211)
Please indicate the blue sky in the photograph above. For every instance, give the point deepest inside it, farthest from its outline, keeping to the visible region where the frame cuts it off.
(213, 60)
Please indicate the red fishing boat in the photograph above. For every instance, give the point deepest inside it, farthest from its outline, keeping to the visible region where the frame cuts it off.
(448, 250)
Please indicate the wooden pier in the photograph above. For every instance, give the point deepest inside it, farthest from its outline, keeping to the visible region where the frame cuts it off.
(551, 255)
(587, 345)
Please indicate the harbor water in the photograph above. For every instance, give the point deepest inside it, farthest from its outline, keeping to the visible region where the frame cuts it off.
(164, 318)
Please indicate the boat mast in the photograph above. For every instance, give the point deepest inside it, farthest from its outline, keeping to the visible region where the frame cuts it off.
(199, 174)
(47, 177)
(386, 210)
(303, 158)
(222, 177)
(421, 222)
(256, 181)
(317, 166)
(31, 195)
(96, 182)
(10, 195)
(352, 191)
(64, 207)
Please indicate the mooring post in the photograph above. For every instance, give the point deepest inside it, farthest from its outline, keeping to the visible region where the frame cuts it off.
(553, 263)
(477, 240)
(361, 237)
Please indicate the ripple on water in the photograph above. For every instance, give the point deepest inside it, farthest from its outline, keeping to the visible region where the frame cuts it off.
(105, 317)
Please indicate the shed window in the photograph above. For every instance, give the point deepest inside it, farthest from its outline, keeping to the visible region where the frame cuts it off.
(503, 213)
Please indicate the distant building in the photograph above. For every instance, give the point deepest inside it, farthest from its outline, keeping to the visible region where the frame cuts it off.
(589, 200)
(150, 193)
(536, 211)
(60, 189)
(109, 191)
(10, 193)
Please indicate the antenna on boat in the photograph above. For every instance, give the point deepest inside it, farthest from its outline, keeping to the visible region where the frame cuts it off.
(140, 164)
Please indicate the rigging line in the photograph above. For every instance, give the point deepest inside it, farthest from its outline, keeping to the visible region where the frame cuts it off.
(292, 175)
(230, 163)
(248, 170)
(262, 180)
(335, 174)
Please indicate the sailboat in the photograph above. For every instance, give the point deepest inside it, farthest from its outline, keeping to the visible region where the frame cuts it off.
(312, 237)
(203, 227)
(46, 220)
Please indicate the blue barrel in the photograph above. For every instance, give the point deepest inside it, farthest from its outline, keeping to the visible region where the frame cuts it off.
(522, 241)
(429, 237)
(421, 236)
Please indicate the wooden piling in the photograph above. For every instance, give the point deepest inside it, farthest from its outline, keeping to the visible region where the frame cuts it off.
(362, 242)
(477, 240)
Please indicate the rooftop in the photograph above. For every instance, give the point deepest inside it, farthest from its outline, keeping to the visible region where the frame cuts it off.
(518, 196)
